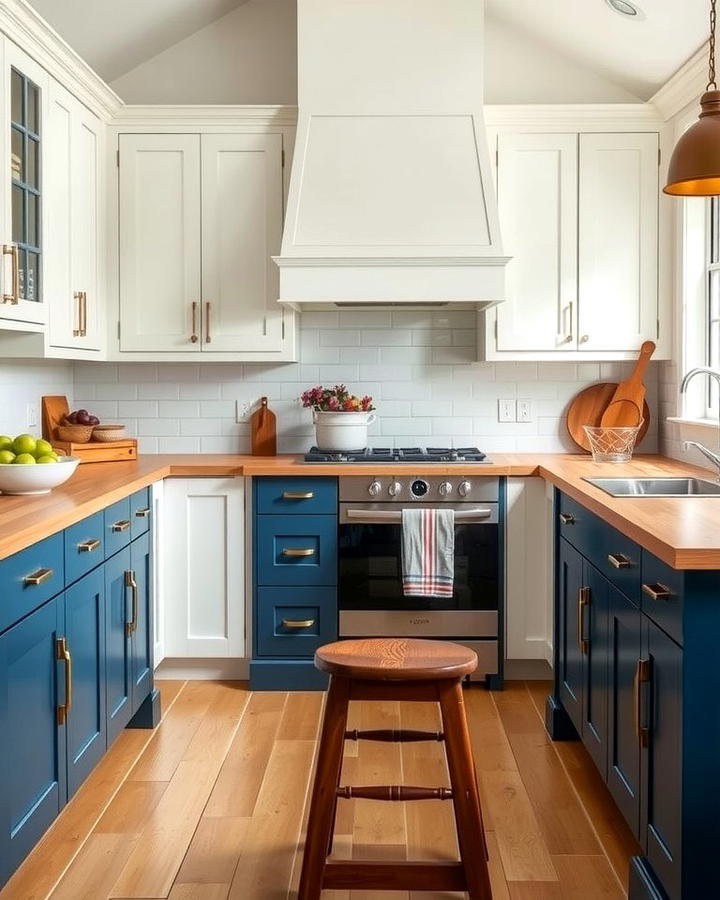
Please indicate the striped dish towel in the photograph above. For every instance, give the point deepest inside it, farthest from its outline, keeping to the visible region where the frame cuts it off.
(428, 552)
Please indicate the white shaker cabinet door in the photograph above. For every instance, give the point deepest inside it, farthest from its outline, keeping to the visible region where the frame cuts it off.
(159, 206)
(537, 197)
(203, 567)
(618, 241)
(242, 209)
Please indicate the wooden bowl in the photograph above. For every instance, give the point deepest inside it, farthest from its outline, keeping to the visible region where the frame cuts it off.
(107, 433)
(76, 434)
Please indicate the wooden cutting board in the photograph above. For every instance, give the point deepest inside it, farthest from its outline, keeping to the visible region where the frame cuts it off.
(624, 408)
(587, 408)
(263, 431)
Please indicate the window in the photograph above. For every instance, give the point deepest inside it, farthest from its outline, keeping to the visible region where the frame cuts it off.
(25, 176)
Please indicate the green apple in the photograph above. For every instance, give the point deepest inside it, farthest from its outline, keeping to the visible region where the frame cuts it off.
(6, 457)
(45, 460)
(24, 459)
(5, 442)
(24, 443)
(42, 448)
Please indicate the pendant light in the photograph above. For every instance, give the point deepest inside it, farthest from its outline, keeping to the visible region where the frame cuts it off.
(694, 169)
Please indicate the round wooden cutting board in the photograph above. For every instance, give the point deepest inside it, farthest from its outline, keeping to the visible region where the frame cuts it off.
(587, 408)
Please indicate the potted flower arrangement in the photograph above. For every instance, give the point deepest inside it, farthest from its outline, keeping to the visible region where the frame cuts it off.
(341, 419)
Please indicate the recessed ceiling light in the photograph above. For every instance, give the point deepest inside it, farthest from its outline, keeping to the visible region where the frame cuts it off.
(625, 8)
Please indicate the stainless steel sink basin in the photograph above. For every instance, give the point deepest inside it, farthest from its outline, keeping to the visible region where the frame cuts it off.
(657, 487)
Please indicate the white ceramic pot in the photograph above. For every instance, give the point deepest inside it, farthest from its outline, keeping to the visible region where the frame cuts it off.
(342, 431)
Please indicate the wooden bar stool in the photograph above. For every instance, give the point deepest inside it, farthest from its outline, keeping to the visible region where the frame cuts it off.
(408, 670)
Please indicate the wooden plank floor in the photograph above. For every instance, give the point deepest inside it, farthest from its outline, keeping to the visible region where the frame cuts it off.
(212, 804)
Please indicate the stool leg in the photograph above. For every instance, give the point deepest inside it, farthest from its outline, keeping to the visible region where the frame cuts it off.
(468, 817)
(324, 796)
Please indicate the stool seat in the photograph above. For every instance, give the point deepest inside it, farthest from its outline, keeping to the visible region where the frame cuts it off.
(396, 659)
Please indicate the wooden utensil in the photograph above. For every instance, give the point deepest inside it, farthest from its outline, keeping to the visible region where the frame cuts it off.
(624, 409)
(263, 435)
(587, 408)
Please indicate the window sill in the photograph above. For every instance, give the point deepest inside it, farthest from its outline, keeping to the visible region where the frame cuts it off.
(696, 423)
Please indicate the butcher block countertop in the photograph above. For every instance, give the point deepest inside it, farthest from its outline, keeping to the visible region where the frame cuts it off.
(684, 532)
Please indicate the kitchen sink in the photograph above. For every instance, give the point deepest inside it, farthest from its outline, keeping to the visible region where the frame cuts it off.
(657, 487)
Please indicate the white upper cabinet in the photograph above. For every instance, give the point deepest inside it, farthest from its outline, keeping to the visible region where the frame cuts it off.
(23, 151)
(200, 217)
(74, 217)
(579, 217)
(618, 241)
(537, 195)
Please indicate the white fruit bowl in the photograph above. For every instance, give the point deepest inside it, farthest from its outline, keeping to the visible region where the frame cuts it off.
(37, 479)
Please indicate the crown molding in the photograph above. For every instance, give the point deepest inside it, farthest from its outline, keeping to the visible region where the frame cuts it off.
(684, 87)
(25, 27)
(578, 116)
(198, 115)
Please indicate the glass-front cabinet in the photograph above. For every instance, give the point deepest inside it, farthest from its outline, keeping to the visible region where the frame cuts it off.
(24, 105)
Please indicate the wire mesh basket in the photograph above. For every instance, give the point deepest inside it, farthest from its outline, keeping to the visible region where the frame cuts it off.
(613, 445)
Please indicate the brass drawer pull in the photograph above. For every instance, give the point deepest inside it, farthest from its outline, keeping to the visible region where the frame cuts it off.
(642, 676)
(77, 332)
(567, 518)
(298, 495)
(298, 623)
(39, 577)
(657, 591)
(620, 561)
(62, 652)
(143, 513)
(121, 526)
(583, 603)
(298, 551)
(130, 582)
(89, 546)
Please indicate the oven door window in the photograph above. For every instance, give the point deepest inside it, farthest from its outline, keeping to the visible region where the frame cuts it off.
(371, 569)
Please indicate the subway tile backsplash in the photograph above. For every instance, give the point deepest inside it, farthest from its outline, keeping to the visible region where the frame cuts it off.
(418, 365)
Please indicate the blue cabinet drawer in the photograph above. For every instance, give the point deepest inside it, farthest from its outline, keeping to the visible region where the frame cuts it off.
(578, 525)
(140, 510)
(84, 547)
(296, 550)
(662, 595)
(29, 578)
(618, 558)
(117, 526)
(310, 495)
(295, 621)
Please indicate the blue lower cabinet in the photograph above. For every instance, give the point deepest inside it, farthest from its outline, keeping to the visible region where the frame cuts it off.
(117, 526)
(570, 658)
(302, 496)
(84, 547)
(29, 578)
(140, 511)
(296, 550)
(594, 647)
(33, 767)
(141, 637)
(294, 621)
(118, 618)
(85, 637)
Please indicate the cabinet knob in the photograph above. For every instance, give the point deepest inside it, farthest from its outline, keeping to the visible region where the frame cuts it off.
(584, 338)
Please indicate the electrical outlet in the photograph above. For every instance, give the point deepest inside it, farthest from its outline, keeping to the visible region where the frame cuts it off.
(32, 415)
(242, 410)
(507, 410)
(524, 411)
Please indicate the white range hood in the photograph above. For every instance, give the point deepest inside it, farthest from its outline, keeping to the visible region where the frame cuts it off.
(391, 197)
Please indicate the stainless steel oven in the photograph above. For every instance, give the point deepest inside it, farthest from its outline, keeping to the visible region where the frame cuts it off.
(371, 599)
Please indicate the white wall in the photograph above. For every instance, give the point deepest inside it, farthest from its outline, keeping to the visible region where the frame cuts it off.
(419, 366)
(26, 381)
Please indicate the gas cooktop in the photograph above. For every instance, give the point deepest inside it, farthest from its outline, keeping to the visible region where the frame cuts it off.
(399, 455)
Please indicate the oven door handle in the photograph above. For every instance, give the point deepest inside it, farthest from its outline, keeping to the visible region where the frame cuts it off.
(390, 515)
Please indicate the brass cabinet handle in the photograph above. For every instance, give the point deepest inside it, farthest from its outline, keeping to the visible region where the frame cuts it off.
(77, 296)
(298, 495)
(298, 623)
(657, 591)
(62, 652)
(11, 250)
(130, 582)
(39, 577)
(121, 526)
(193, 336)
(583, 603)
(143, 513)
(89, 546)
(207, 323)
(298, 551)
(567, 518)
(620, 561)
(83, 312)
(642, 676)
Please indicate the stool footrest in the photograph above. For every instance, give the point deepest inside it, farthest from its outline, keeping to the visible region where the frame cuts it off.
(394, 793)
(394, 735)
(345, 875)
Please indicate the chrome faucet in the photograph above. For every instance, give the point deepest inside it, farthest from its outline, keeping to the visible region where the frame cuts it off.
(714, 458)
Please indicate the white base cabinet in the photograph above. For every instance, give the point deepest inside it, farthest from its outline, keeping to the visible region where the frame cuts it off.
(203, 567)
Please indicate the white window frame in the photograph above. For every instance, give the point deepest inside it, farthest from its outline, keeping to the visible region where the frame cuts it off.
(712, 305)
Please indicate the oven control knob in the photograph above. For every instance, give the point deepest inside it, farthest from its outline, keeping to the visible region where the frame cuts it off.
(374, 488)
(445, 488)
(464, 488)
(419, 488)
(394, 489)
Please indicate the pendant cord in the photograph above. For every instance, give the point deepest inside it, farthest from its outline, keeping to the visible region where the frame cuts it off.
(711, 71)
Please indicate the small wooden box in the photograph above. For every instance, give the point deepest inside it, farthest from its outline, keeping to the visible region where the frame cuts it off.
(54, 411)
